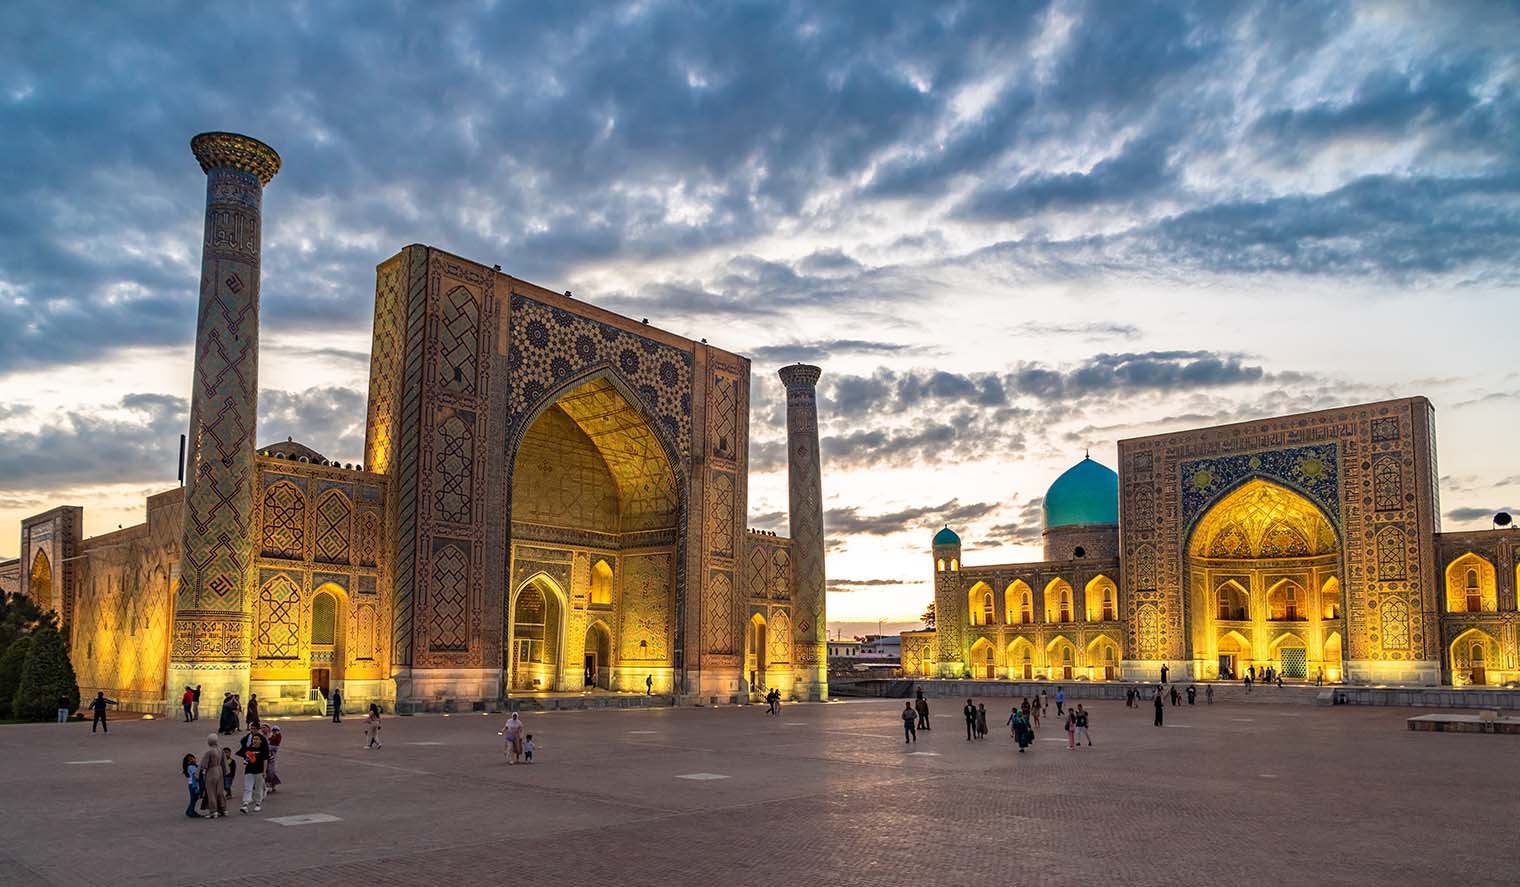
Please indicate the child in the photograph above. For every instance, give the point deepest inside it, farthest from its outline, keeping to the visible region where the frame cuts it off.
(528, 750)
(271, 778)
(192, 771)
(229, 769)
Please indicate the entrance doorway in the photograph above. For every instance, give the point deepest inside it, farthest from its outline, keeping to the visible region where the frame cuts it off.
(321, 679)
(598, 656)
(754, 656)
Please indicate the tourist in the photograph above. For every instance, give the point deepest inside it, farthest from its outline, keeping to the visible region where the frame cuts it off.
(64, 705)
(336, 701)
(910, 723)
(970, 712)
(1164, 672)
(271, 776)
(528, 749)
(254, 751)
(1129, 697)
(1022, 734)
(192, 773)
(195, 698)
(1060, 700)
(648, 685)
(1045, 701)
(214, 779)
(1251, 673)
(1176, 697)
(1279, 680)
(922, 705)
(1192, 694)
(1160, 706)
(1081, 723)
(98, 706)
(1013, 719)
(1319, 677)
(229, 770)
(1025, 708)
(187, 701)
(1071, 730)
(981, 720)
(1247, 681)
(253, 711)
(1208, 694)
(228, 722)
(237, 711)
(372, 727)
(512, 734)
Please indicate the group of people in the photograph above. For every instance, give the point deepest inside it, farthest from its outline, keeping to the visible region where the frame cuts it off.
(232, 713)
(210, 779)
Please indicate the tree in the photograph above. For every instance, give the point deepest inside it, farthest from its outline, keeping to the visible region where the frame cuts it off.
(928, 617)
(46, 676)
(19, 616)
(11, 662)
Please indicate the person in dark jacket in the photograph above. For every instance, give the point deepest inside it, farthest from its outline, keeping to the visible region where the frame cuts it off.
(921, 706)
(1160, 707)
(910, 723)
(336, 701)
(970, 712)
(195, 713)
(98, 706)
(254, 751)
(227, 725)
(253, 711)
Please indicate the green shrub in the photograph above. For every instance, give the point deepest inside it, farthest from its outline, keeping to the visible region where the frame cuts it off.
(10, 671)
(45, 677)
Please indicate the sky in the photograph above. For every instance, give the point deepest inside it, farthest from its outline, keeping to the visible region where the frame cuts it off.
(1009, 232)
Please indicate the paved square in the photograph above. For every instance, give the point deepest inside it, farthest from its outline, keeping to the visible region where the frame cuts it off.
(1274, 794)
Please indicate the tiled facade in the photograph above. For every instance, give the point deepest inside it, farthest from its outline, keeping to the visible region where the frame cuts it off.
(1308, 543)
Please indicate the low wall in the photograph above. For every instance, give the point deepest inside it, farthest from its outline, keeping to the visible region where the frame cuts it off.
(1224, 691)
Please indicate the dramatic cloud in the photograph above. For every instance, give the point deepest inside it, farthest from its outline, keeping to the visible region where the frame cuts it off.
(1468, 515)
(850, 521)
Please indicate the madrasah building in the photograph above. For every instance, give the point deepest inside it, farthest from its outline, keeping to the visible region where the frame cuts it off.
(1309, 543)
(552, 498)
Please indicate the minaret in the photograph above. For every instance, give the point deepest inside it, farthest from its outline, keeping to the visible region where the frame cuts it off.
(210, 646)
(805, 508)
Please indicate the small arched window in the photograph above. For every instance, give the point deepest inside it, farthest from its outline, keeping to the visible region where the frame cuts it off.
(941, 565)
(955, 565)
(989, 617)
(1065, 606)
(1474, 593)
(1026, 609)
(601, 584)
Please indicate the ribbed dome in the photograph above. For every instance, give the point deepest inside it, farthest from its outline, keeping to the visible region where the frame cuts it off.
(946, 537)
(1088, 493)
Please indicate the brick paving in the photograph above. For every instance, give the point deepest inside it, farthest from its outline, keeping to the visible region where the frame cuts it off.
(824, 794)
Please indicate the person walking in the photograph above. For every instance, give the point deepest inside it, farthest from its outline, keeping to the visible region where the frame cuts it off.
(1032, 717)
(187, 702)
(1176, 697)
(273, 736)
(970, 713)
(98, 706)
(1023, 734)
(1081, 724)
(922, 707)
(512, 735)
(253, 711)
(1045, 701)
(1071, 730)
(981, 720)
(214, 779)
(1160, 706)
(1060, 701)
(64, 705)
(336, 701)
(1208, 694)
(648, 685)
(195, 700)
(254, 751)
(228, 720)
(1192, 694)
(1013, 722)
(192, 772)
(372, 727)
(910, 723)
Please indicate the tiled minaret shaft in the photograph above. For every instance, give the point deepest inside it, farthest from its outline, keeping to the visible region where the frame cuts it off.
(210, 645)
(805, 507)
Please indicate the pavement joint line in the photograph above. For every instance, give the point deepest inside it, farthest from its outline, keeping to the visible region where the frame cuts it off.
(304, 819)
(101, 761)
(701, 777)
(853, 733)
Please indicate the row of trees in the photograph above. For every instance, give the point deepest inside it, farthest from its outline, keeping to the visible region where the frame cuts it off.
(35, 671)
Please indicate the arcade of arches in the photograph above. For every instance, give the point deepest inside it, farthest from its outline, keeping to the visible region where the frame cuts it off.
(1264, 567)
(595, 507)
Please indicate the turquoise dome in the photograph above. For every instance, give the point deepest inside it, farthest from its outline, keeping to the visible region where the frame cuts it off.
(1088, 493)
(946, 537)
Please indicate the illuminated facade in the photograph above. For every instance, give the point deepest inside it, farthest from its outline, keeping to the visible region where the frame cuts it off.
(1308, 543)
(552, 498)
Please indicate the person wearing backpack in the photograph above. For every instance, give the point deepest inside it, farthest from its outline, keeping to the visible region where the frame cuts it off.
(192, 773)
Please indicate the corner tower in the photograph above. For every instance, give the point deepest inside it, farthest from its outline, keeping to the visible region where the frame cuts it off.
(211, 607)
(805, 509)
(949, 604)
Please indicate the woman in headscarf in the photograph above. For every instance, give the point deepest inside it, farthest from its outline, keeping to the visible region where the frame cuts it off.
(229, 720)
(372, 727)
(513, 734)
(212, 775)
